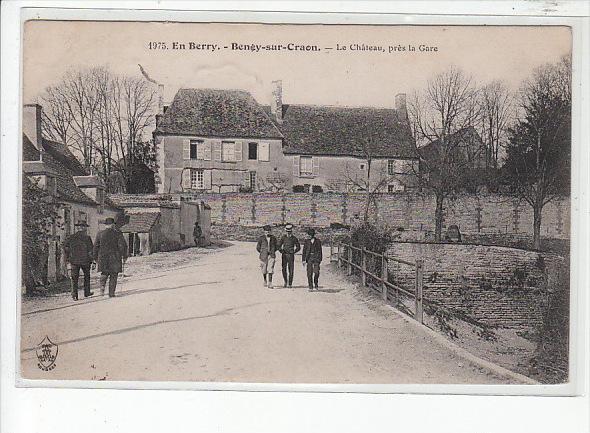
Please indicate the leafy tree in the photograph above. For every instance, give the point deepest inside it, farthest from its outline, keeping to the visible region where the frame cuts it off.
(39, 214)
(539, 150)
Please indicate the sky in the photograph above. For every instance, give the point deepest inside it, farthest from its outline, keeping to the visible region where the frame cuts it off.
(326, 77)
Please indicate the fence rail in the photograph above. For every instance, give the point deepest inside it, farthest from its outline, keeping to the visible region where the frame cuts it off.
(383, 280)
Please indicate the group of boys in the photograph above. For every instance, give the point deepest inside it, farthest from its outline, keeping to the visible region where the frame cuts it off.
(268, 245)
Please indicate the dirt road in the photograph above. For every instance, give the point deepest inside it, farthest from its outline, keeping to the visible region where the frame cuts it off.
(212, 320)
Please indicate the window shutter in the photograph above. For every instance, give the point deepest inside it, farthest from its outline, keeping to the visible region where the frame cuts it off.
(207, 150)
(296, 166)
(316, 166)
(238, 150)
(246, 179)
(264, 151)
(207, 184)
(186, 148)
(186, 179)
(216, 150)
(200, 150)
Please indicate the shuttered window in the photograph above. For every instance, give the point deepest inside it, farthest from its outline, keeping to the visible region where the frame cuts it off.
(252, 151)
(228, 151)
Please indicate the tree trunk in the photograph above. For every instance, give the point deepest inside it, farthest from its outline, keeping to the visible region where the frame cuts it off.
(367, 205)
(438, 217)
(537, 211)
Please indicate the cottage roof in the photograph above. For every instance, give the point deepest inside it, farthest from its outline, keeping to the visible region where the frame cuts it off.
(346, 131)
(216, 113)
(58, 158)
(65, 166)
(142, 201)
(465, 142)
(141, 222)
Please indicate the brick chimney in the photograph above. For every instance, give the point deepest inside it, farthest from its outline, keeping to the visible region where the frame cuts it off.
(32, 124)
(400, 104)
(276, 102)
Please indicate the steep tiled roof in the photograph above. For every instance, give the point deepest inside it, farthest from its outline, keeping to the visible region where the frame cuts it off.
(327, 130)
(58, 157)
(30, 152)
(64, 164)
(465, 143)
(142, 200)
(141, 222)
(216, 113)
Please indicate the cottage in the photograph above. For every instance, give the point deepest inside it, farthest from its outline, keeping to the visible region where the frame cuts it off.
(161, 223)
(225, 141)
(80, 195)
(142, 230)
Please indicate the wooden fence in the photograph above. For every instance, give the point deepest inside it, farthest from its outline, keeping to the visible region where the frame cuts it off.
(344, 253)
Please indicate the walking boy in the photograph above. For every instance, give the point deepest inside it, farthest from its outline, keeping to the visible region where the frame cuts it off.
(288, 246)
(267, 247)
(312, 256)
(78, 254)
(110, 251)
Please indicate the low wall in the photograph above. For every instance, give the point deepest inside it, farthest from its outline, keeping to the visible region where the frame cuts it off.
(496, 286)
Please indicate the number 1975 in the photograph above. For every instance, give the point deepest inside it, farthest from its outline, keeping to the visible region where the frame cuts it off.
(157, 46)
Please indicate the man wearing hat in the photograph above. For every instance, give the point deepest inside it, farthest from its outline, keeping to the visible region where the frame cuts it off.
(110, 252)
(288, 246)
(78, 255)
(267, 246)
(312, 257)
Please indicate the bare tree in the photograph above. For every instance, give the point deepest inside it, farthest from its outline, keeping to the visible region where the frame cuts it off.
(497, 111)
(443, 117)
(101, 117)
(372, 180)
(539, 154)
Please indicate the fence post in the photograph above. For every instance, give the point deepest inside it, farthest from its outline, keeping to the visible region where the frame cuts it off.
(350, 258)
(384, 277)
(363, 266)
(419, 287)
(331, 248)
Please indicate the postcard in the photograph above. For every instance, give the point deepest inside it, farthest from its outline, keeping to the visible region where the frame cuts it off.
(298, 204)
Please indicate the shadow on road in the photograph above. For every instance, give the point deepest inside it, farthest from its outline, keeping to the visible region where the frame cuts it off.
(328, 290)
(98, 298)
(147, 325)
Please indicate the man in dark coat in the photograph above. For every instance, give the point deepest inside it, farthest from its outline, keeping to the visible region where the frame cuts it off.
(78, 255)
(197, 234)
(288, 246)
(312, 257)
(110, 252)
(267, 246)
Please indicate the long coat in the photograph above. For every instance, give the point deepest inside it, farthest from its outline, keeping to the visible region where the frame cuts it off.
(78, 249)
(312, 253)
(110, 249)
(267, 249)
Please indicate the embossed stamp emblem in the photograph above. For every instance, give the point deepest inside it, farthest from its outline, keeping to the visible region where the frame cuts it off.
(47, 354)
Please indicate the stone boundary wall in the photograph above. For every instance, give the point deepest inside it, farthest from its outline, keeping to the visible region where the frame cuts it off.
(496, 286)
(492, 214)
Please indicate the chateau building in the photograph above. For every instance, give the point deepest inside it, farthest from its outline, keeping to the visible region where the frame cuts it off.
(225, 141)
